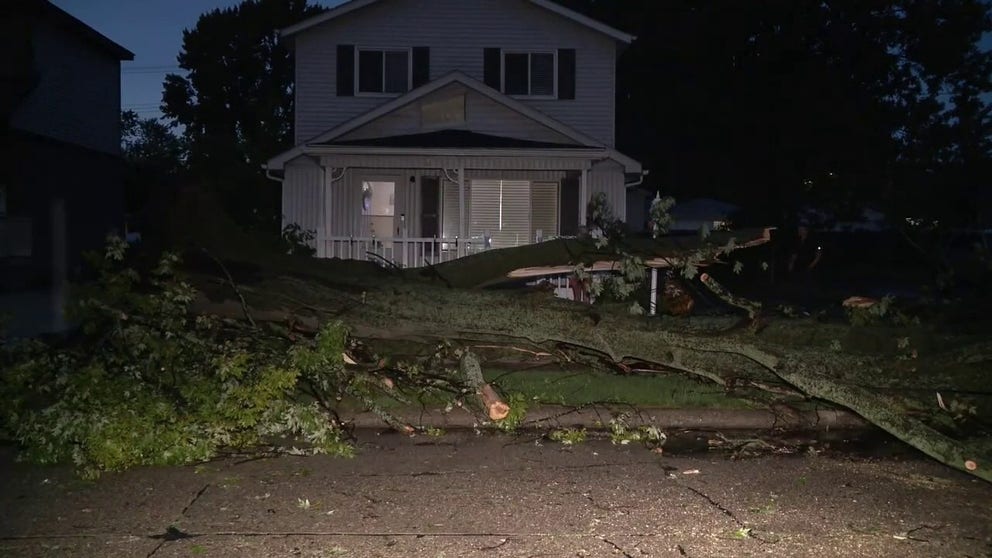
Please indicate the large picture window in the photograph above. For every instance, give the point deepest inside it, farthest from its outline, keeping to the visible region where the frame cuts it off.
(383, 70)
(529, 73)
(379, 207)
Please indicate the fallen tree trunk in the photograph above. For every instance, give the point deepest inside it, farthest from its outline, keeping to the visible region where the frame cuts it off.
(382, 307)
(494, 405)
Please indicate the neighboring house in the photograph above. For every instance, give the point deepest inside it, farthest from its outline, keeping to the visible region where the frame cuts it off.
(694, 214)
(61, 180)
(426, 130)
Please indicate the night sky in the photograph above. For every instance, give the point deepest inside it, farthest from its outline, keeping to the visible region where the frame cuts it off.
(152, 30)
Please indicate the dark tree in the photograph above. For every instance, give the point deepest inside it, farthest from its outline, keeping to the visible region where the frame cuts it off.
(153, 156)
(235, 102)
(775, 104)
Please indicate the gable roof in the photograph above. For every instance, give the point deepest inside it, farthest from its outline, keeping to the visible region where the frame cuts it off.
(353, 5)
(325, 139)
(469, 82)
(453, 139)
(68, 22)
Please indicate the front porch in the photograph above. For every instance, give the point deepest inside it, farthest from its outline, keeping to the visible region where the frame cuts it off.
(416, 210)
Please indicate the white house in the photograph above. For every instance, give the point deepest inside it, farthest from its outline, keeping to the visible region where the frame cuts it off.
(429, 129)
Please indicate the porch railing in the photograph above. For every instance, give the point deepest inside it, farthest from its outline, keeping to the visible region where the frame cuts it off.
(405, 252)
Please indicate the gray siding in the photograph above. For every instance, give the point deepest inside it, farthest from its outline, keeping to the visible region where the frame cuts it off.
(457, 32)
(607, 176)
(303, 194)
(482, 115)
(77, 99)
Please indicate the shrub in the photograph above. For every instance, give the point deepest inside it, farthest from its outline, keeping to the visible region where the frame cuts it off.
(145, 382)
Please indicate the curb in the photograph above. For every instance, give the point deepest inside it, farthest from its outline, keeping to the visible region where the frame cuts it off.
(598, 418)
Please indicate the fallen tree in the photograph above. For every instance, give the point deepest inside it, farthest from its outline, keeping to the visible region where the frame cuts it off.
(264, 327)
(893, 387)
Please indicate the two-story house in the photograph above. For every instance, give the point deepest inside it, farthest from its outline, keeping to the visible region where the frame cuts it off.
(61, 172)
(429, 129)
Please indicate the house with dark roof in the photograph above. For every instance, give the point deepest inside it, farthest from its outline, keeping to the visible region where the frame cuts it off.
(428, 130)
(61, 177)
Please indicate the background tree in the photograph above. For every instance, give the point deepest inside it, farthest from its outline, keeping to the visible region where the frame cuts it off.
(235, 103)
(154, 162)
(775, 105)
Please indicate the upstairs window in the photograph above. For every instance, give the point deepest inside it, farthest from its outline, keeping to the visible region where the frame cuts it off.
(539, 74)
(383, 70)
(529, 73)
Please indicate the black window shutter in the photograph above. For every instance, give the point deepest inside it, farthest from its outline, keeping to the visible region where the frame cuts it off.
(421, 66)
(568, 222)
(491, 67)
(430, 206)
(346, 70)
(566, 73)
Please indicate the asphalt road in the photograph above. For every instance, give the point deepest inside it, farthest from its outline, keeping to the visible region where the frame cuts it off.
(463, 495)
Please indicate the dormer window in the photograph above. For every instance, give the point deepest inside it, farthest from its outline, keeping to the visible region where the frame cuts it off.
(383, 71)
(529, 73)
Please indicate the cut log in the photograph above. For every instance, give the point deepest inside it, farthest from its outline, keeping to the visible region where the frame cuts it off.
(470, 367)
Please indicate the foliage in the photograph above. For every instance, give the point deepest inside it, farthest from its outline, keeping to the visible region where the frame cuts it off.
(568, 436)
(901, 85)
(518, 412)
(621, 433)
(146, 383)
(153, 158)
(299, 241)
(235, 102)
(608, 232)
(881, 312)
(603, 225)
(659, 215)
(150, 143)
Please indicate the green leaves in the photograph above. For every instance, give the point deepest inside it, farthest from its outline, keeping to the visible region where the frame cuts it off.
(660, 214)
(148, 383)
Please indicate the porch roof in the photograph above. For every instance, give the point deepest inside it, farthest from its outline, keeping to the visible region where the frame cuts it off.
(454, 139)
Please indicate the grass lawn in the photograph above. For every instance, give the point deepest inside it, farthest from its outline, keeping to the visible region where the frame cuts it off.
(554, 386)
(551, 385)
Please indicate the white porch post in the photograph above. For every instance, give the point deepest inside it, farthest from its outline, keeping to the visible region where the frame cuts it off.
(583, 196)
(462, 222)
(653, 303)
(325, 210)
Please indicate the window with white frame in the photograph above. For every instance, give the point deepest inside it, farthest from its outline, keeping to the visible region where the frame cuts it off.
(383, 70)
(529, 73)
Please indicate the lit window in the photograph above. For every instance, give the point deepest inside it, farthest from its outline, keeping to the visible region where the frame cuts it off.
(378, 198)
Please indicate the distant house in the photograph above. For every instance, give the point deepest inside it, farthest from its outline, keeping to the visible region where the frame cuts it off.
(696, 213)
(430, 130)
(61, 188)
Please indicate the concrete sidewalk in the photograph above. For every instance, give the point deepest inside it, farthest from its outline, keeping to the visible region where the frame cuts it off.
(490, 496)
